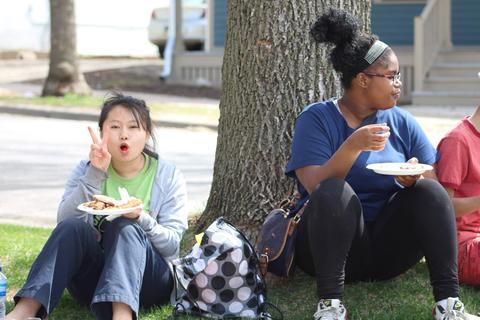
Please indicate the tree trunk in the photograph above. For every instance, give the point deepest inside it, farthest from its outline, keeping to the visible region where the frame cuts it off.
(64, 75)
(272, 68)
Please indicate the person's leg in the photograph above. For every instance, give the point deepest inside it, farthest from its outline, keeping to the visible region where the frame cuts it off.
(71, 250)
(330, 224)
(158, 280)
(469, 262)
(24, 308)
(134, 272)
(418, 221)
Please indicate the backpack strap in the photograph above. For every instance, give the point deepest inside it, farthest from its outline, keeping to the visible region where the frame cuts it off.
(266, 315)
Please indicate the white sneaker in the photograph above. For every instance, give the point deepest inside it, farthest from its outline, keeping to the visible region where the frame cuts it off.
(454, 311)
(330, 309)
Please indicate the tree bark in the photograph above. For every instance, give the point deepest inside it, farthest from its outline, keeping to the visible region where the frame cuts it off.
(64, 75)
(272, 68)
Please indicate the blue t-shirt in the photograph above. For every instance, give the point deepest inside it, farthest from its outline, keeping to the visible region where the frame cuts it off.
(321, 129)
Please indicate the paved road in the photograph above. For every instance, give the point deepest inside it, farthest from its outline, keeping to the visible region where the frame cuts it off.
(37, 155)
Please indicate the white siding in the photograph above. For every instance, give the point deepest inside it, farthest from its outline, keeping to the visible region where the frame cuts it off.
(104, 27)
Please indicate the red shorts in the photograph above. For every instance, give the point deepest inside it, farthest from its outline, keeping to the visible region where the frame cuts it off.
(469, 262)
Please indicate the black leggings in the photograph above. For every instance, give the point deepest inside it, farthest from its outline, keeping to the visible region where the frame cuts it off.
(335, 245)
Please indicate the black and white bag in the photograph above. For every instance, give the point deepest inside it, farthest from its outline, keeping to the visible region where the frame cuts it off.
(220, 276)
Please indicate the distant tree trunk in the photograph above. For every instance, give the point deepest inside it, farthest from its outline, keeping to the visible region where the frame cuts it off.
(64, 75)
(271, 69)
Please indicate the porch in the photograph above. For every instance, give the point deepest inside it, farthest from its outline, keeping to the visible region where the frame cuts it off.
(434, 71)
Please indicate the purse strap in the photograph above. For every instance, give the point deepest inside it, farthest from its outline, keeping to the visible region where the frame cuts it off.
(296, 218)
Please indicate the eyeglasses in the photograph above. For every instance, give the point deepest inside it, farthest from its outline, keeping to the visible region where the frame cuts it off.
(392, 77)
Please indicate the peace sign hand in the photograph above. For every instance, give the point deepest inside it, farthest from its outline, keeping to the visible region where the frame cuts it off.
(99, 155)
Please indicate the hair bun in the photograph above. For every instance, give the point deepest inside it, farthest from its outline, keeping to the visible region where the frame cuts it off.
(336, 26)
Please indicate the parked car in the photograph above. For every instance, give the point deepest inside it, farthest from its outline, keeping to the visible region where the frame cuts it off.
(194, 25)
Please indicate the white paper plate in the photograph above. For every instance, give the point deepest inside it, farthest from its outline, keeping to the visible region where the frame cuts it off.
(399, 168)
(108, 212)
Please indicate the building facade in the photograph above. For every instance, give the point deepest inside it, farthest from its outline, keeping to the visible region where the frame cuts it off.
(437, 42)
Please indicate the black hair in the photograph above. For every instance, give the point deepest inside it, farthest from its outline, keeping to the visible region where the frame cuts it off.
(351, 44)
(139, 110)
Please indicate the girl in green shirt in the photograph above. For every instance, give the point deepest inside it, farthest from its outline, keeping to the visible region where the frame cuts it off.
(113, 266)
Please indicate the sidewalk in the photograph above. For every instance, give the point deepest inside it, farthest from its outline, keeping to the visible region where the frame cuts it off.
(436, 121)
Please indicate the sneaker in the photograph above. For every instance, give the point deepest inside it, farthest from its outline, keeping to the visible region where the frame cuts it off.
(454, 311)
(330, 309)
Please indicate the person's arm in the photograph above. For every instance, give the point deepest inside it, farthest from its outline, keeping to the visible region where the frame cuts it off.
(408, 181)
(453, 169)
(166, 232)
(338, 166)
(430, 174)
(84, 181)
(363, 139)
(463, 206)
(420, 150)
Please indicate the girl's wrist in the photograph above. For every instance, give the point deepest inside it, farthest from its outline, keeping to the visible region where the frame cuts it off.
(139, 215)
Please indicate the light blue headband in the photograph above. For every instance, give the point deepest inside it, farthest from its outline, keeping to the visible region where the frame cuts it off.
(375, 51)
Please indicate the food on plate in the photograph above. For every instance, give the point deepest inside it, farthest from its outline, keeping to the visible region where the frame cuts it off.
(101, 202)
(408, 166)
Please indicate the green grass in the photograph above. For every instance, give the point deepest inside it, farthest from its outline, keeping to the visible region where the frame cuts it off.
(405, 297)
(206, 112)
(66, 101)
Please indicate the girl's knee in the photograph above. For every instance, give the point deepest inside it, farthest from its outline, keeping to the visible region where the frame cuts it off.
(428, 185)
(124, 226)
(428, 199)
(71, 225)
(331, 187)
(335, 198)
(429, 189)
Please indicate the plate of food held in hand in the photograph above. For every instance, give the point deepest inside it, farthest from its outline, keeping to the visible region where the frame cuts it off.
(104, 205)
(399, 168)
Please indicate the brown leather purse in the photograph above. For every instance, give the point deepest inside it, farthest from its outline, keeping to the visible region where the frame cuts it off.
(276, 244)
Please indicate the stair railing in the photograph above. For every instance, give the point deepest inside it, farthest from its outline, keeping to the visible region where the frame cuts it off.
(432, 31)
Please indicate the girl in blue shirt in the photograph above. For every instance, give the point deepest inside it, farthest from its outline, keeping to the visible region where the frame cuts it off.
(359, 225)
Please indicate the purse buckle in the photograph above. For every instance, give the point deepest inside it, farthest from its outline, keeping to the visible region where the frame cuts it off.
(297, 218)
(263, 264)
(263, 258)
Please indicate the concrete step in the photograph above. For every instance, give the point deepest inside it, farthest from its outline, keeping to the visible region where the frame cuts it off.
(452, 84)
(460, 54)
(446, 98)
(455, 69)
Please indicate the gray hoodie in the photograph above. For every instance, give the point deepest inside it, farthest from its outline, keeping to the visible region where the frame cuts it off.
(165, 223)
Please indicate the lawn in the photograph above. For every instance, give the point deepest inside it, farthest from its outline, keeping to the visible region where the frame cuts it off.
(406, 297)
(206, 112)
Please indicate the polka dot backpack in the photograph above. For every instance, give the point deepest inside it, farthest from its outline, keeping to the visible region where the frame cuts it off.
(219, 278)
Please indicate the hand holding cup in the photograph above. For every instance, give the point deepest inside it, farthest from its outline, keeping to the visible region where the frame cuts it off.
(371, 137)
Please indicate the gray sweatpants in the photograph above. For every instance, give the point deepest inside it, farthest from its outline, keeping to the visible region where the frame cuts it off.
(124, 267)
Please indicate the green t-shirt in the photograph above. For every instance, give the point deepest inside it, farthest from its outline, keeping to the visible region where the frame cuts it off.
(139, 186)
